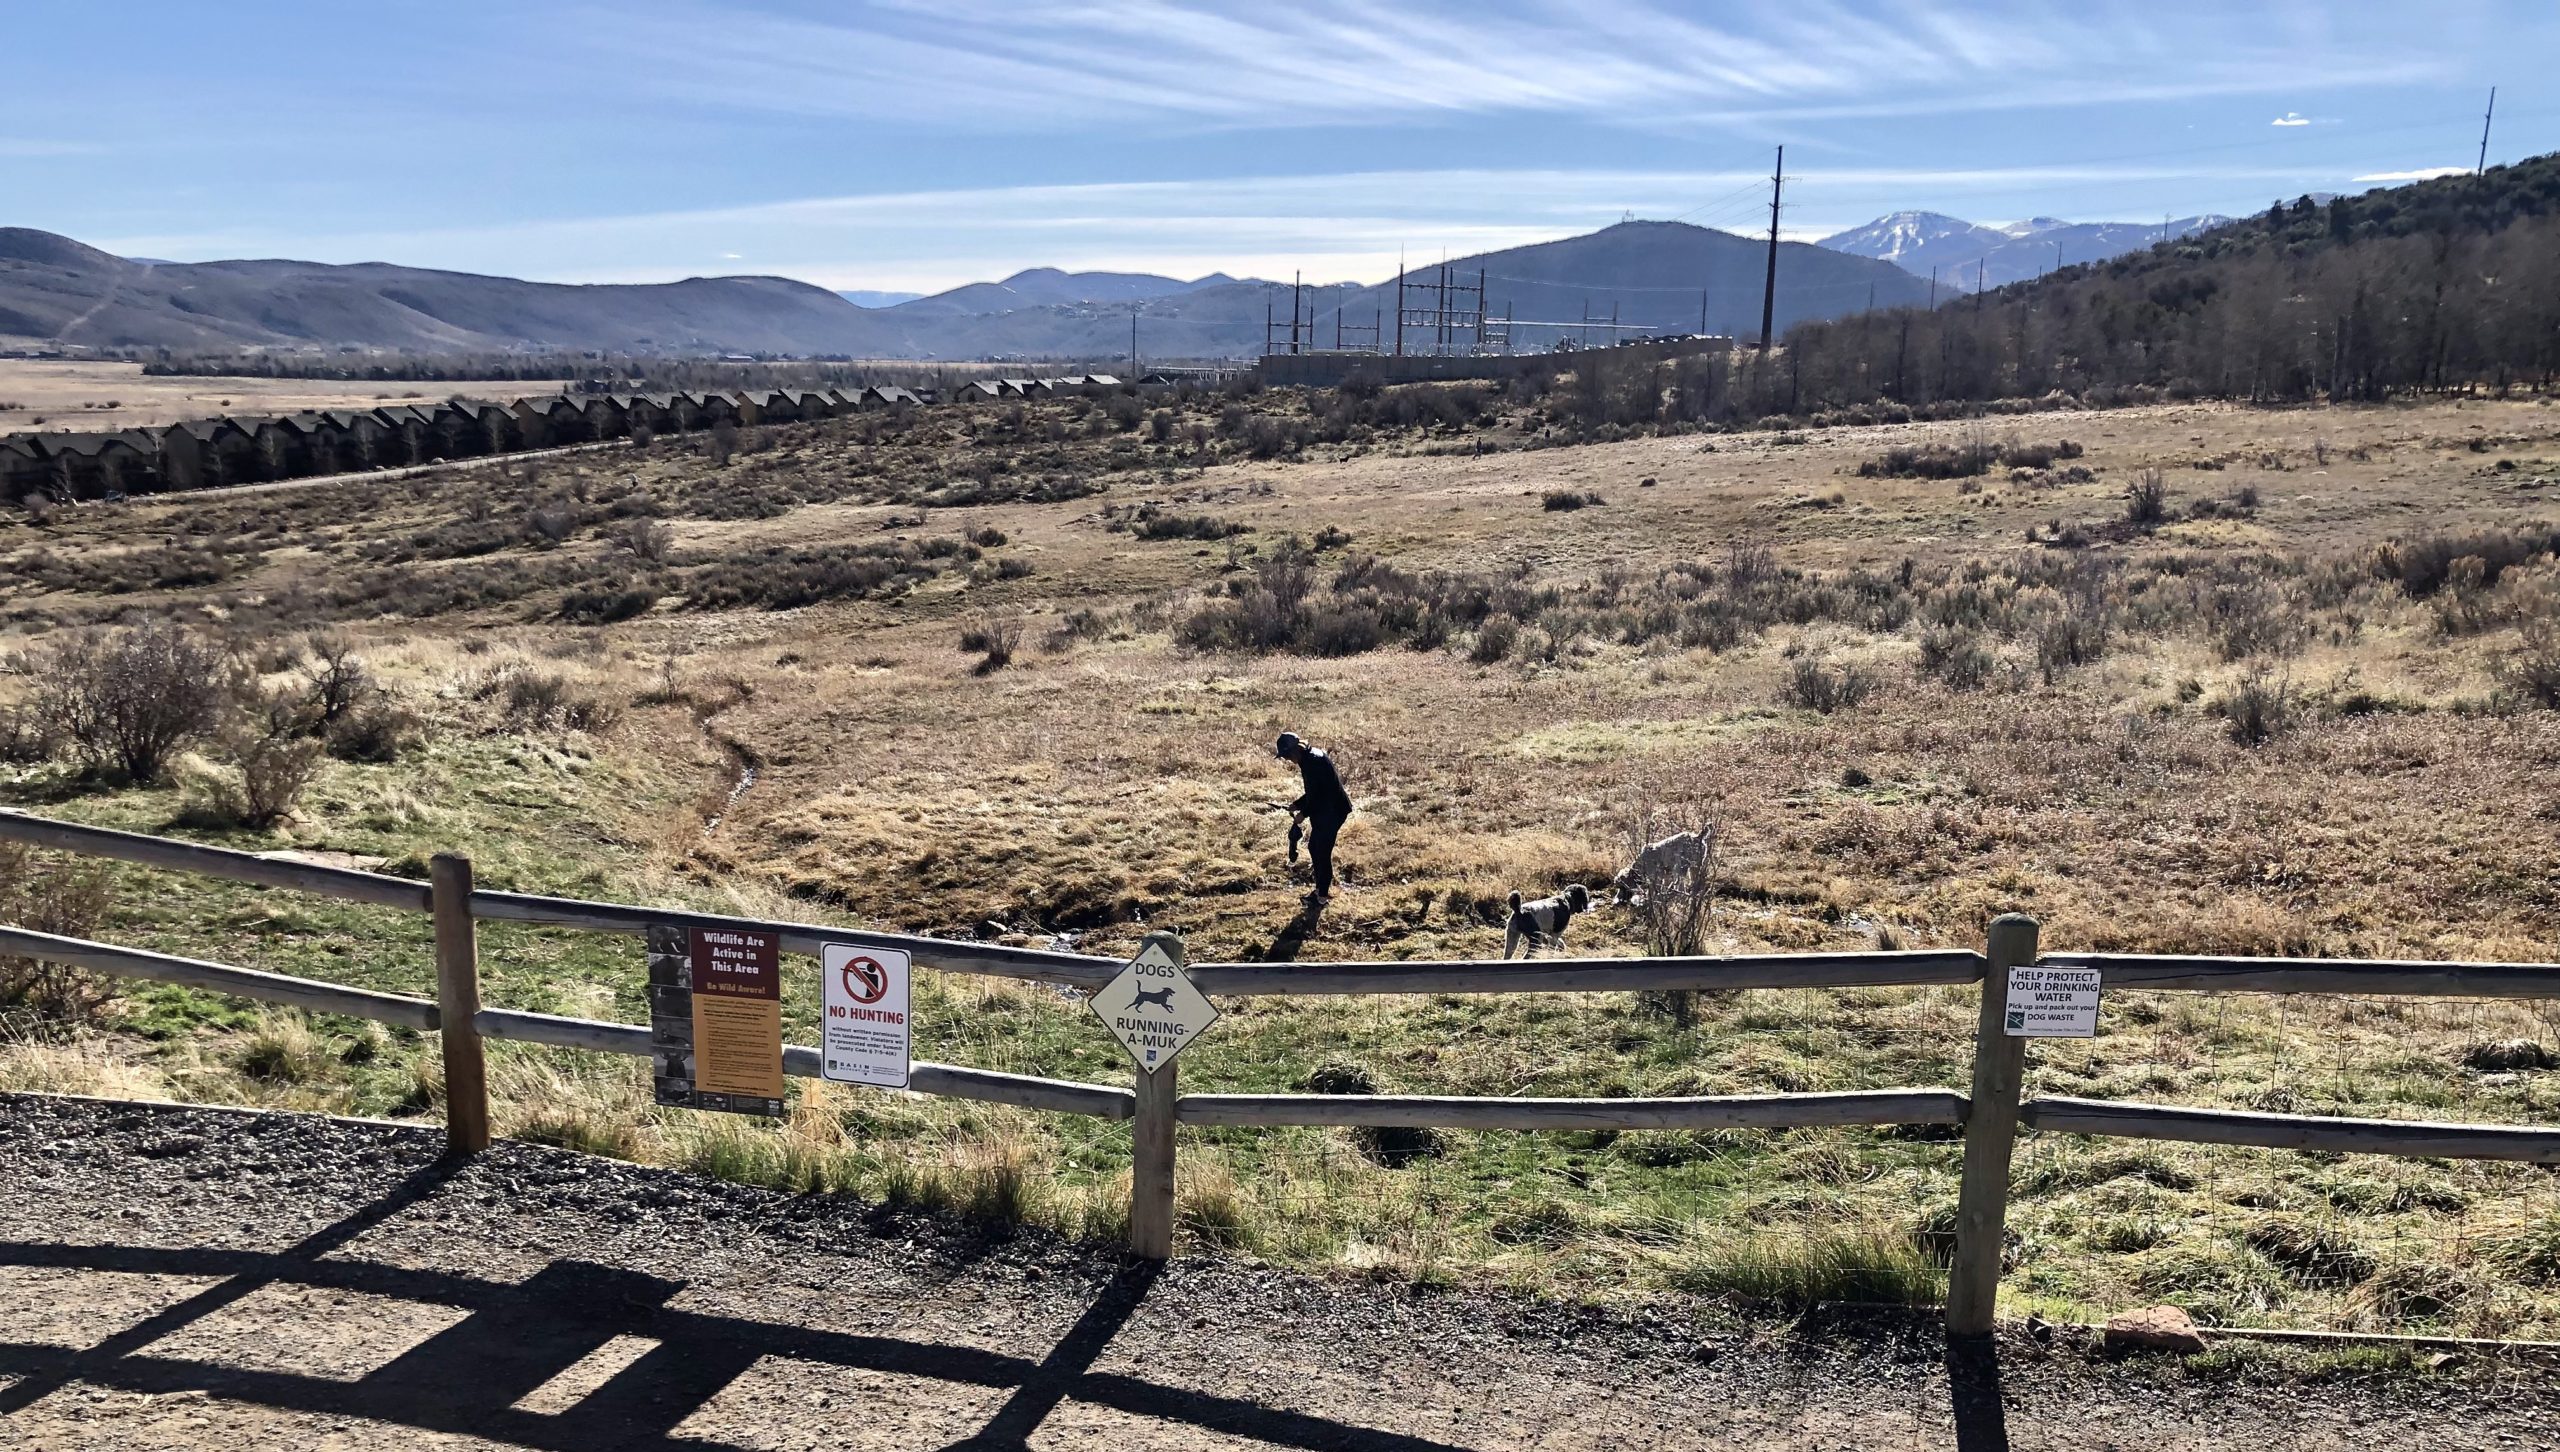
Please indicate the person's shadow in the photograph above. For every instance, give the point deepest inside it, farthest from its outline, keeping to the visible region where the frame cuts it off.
(1284, 945)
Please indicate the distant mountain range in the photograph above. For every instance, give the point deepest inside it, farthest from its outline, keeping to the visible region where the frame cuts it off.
(1041, 287)
(53, 289)
(1967, 256)
(863, 297)
(1647, 275)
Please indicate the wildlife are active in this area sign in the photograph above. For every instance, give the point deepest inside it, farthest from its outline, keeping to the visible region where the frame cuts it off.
(715, 1018)
(1151, 1007)
(864, 1037)
(2052, 1003)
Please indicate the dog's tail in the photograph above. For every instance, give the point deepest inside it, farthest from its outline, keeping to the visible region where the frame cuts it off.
(1515, 899)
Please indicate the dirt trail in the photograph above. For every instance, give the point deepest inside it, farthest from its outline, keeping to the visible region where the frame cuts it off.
(197, 1279)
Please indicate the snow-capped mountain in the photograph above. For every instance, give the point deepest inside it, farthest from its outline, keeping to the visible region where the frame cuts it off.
(1928, 236)
(1971, 255)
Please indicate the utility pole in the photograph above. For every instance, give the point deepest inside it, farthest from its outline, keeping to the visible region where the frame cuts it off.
(1933, 287)
(1440, 311)
(1769, 289)
(1297, 289)
(1702, 308)
(1133, 343)
(1981, 281)
(1399, 302)
(2492, 115)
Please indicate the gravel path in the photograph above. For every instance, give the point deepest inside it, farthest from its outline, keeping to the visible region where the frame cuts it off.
(188, 1278)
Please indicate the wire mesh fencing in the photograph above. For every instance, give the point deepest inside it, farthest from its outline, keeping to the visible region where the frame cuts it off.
(2289, 1238)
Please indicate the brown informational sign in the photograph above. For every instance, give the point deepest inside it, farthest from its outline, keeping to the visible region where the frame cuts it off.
(715, 1019)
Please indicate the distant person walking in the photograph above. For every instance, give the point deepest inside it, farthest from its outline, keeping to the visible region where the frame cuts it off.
(1324, 805)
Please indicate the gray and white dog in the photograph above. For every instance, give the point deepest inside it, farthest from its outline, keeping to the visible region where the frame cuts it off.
(1542, 921)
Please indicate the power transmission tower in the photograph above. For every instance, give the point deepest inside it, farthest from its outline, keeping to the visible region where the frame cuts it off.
(1399, 302)
(1769, 289)
(2492, 115)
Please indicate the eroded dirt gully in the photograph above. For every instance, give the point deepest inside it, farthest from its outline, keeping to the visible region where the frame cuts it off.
(189, 1278)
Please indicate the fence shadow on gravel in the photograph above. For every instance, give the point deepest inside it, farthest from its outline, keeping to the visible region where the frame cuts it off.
(467, 1379)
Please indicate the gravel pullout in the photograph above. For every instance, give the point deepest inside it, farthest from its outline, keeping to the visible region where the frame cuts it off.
(189, 1278)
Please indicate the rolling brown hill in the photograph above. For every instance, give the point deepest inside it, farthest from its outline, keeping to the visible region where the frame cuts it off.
(53, 289)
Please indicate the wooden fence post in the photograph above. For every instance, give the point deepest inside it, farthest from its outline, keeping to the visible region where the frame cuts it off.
(1151, 1149)
(466, 1070)
(1151, 1167)
(1990, 1134)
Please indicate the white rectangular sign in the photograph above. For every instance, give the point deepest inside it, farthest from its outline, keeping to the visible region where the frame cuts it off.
(863, 1037)
(2053, 1003)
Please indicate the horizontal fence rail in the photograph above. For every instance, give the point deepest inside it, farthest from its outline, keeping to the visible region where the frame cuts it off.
(1596, 975)
(1990, 1115)
(2422, 1139)
(1739, 1111)
(2344, 976)
(1076, 970)
(377, 888)
(1065, 1096)
(304, 993)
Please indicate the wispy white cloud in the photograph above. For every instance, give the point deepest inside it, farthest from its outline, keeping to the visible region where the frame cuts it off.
(2424, 173)
(36, 146)
(2291, 118)
(998, 65)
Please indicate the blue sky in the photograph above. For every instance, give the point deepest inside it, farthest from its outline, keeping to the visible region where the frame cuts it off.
(916, 146)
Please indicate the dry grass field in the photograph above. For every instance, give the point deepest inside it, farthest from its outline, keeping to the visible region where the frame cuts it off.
(2211, 679)
(42, 395)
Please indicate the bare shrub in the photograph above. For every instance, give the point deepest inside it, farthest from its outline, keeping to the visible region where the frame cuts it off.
(995, 638)
(550, 524)
(2424, 565)
(646, 539)
(2146, 501)
(377, 731)
(721, 443)
(2260, 708)
(1674, 906)
(339, 680)
(1931, 461)
(1566, 500)
(1957, 658)
(1494, 639)
(125, 702)
(2073, 637)
(1184, 526)
(274, 771)
(1817, 686)
(63, 896)
(2532, 674)
(536, 700)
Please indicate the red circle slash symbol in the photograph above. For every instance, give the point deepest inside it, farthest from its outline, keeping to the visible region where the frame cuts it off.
(865, 980)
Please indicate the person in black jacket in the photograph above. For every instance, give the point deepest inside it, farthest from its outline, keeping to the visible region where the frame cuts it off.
(1324, 805)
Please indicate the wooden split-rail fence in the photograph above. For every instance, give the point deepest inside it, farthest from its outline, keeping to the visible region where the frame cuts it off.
(1989, 1113)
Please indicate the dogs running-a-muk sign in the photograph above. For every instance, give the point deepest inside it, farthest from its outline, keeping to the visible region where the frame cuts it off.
(1151, 1007)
